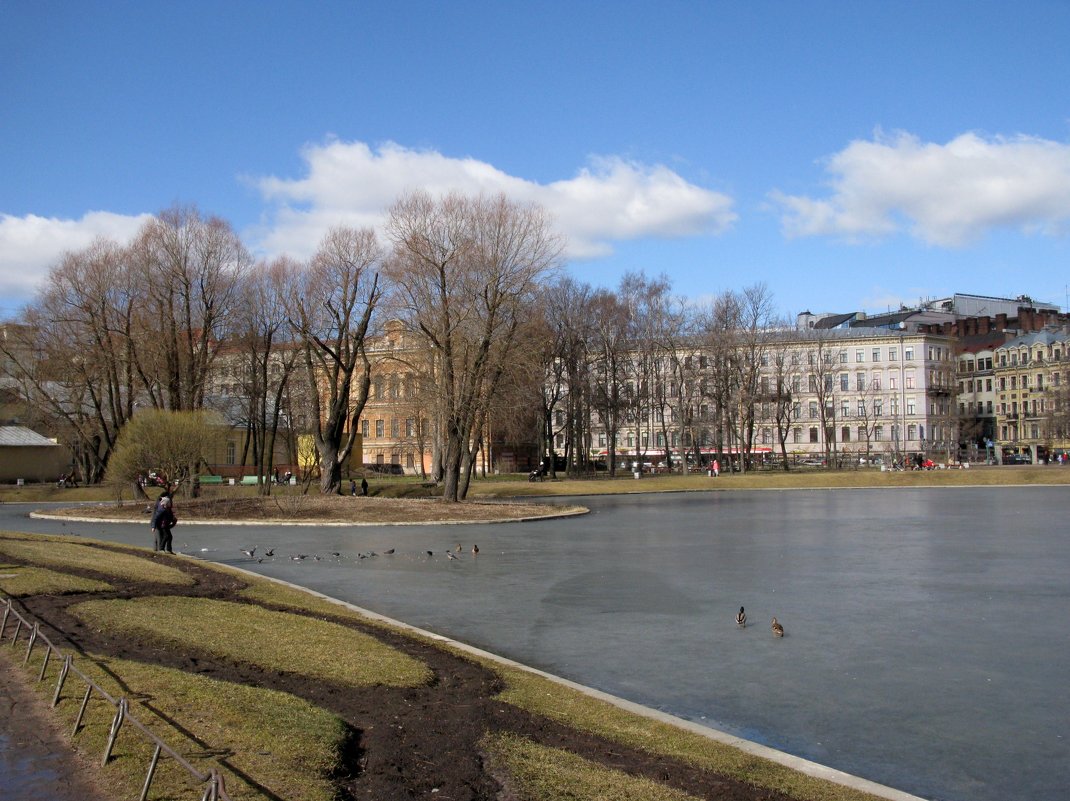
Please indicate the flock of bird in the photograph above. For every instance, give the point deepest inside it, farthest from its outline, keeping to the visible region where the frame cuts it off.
(741, 621)
(338, 556)
(741, 616)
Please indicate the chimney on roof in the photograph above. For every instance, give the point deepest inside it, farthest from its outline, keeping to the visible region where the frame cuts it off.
(984, 325)
(1025, 318)
(1001, 322)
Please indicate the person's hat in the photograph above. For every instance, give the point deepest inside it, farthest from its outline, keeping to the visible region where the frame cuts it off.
(165, 501)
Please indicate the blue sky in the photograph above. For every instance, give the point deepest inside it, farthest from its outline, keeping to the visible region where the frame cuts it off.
(851, 155)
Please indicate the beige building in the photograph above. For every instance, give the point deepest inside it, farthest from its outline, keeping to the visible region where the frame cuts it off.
(1031, 375)
(27, 456)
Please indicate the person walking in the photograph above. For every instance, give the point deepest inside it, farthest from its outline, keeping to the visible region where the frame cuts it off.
(163, 520)
(364, 486)
(716, 468)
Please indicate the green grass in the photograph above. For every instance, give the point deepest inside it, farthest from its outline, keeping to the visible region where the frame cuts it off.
(540, 773)
(260, 738)
(514, 485)
(23, 581)
(273, 640)
(777, 479)
(578, 710)
(61, 554)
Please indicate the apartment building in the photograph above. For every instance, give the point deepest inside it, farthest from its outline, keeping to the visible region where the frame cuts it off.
(1031, 374)
(841, 393)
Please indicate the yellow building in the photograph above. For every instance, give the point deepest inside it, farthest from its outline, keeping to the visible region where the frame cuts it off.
(1032, 374)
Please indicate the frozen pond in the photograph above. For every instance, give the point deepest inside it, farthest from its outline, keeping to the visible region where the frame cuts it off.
(926, 645)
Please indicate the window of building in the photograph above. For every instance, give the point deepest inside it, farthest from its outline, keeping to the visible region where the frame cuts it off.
(861, 433)
(845, 408)
(843, 357)
(365, 428)
(845, 434)
(860, 381)
(878, 407)
(232, 452)
(409, 461)
(860, 355)
(908, 353)
(379, 427)
(845, 382)
(893, 354)
(796, 410)
(813, 409)
(796, 435)
(861, 407)
(909, 379)
(911, 406)
(813, 433)
(876, 381)
(410, 427)
(878, 433)
(876, 354)
(893, 382)
(395, 427)
(912, 431)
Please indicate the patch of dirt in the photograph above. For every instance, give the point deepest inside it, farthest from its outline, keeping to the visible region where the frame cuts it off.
(406, 742)
(326, 509)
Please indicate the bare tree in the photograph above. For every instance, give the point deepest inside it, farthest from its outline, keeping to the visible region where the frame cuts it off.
(569, 320)
(646, 304)
(784, 383)
(331, 311)
(608, 368)
(466, 271)
(268, 357)
(72, 353)
(191, 269)
(755, 315)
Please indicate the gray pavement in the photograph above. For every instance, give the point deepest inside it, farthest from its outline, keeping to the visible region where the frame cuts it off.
(36, 763)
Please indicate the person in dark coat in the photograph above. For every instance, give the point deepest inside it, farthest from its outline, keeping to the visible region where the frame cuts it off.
(163, 520)
(364, 486)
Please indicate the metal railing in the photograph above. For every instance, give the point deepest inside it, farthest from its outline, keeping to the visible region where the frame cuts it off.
(214, 789)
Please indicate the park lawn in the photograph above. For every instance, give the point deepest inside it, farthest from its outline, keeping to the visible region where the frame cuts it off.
(579, 710)
(868, 478)
(58, 553)
(540, 773)
(298, 644)
(18, 581)
(268, 744)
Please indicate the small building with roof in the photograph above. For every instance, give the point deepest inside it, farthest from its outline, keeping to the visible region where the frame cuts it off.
(26, 455)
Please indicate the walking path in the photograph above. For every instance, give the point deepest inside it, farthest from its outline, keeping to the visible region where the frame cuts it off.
(36, 763)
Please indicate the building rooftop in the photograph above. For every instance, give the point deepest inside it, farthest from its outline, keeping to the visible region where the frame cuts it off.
(20, 436)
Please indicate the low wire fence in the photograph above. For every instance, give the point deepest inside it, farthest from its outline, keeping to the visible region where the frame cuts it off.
(213, 790)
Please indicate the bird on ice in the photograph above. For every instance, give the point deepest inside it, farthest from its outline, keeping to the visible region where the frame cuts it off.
(250, 552)
(778, 630)
(449, 554)
(475, 549)
(741, 618)
(389, 551)
(269, 552)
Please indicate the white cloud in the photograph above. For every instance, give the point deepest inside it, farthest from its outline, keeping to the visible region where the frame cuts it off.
(609, 200)
(945, 195)
(30, 245)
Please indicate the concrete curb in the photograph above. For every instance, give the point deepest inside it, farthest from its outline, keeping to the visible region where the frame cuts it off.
(790, 761)
(323, 524)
